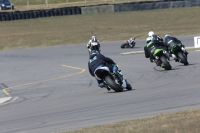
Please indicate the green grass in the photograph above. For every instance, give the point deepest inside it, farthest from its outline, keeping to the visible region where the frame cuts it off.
(180, 122)
(77, 29)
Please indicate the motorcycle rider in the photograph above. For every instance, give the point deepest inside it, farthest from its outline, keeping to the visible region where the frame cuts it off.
(96, 59)
(91, 45)
(150, 44)
(168, 40)
(151, 33)
(131, 42)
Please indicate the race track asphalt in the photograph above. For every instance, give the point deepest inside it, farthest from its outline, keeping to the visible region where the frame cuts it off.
(52, 90)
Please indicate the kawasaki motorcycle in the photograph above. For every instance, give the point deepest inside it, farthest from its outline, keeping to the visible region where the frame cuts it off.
(178, 52)
(114, 81)
(161, 58)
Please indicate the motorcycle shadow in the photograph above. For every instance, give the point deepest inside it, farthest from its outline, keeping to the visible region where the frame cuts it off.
(158, 69)
(189, 64)
(132, 48)
(112, 91)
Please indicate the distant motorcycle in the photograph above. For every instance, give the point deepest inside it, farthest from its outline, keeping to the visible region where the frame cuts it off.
(113, 81)
(129, 43)
(178, 52)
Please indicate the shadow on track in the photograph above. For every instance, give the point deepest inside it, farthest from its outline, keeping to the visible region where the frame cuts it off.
(120, 92)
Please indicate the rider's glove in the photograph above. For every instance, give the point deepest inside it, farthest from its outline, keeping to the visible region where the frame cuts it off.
(101, 85)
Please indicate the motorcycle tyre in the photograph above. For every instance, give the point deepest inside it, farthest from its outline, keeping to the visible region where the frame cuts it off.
(166, 63)
(123, 45)
(112, 84)
(183, 59)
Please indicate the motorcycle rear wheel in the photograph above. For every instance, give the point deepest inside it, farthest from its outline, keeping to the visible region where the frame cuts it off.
(112, 84)
(183, 59)
(166, 63)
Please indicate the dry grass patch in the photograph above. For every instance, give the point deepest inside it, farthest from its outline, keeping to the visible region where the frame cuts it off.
(180, 122)
(76, 29)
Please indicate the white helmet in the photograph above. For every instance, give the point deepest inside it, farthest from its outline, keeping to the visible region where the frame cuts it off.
(151, 33)
(93, 37)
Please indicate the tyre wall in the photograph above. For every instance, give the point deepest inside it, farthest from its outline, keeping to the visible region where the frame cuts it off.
(97, 9)
(32, 14)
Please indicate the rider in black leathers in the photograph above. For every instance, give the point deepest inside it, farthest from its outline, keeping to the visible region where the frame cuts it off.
(96, 59)
(169, 39)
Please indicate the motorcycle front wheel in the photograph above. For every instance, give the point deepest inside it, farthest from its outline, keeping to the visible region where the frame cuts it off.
(167, 66)
(183, 58)
(123, 45)
(112, 84)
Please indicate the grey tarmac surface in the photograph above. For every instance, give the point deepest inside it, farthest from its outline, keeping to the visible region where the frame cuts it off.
(53, 91)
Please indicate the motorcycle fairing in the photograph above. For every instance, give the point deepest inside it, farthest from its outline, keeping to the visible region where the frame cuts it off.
(157, 51)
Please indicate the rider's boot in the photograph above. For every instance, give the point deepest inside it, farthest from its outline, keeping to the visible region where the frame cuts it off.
(124, 85)
(151, 60)
(175, 58)
(128, 86)
(184, 50)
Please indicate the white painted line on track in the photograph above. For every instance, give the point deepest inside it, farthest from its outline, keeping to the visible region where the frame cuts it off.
(4, 99)
(134, 52)
(140, 52)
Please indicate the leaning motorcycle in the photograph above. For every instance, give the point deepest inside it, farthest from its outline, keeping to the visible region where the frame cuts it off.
(114, 81)
(128, 45)
(161, 58)
(178, 52)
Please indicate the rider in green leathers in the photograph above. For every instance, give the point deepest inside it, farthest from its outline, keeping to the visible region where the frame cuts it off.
(152, 42)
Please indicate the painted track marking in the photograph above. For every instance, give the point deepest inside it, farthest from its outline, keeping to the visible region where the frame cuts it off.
(82, 70)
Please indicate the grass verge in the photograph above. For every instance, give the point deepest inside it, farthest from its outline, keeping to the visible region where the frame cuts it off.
(180, 122)
(76, 29)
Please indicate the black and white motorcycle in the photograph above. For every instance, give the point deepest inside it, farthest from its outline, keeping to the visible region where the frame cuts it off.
(111, 80)
(129, 43)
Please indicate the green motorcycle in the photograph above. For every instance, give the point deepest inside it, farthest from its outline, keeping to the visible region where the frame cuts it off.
(161, 58)
(178, 52)
(157, 52)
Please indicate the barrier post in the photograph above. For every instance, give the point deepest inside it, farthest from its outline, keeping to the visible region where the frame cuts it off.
(197, 42)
